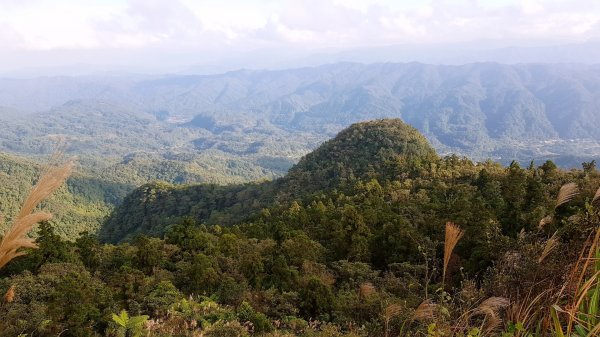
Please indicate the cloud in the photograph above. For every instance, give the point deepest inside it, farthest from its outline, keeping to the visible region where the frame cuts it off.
(9, 38)
(45, 24)
(8, 4)
(147, 23)
(151, 17)
(237, 26)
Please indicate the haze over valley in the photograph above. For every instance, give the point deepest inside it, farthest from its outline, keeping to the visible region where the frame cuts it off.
(299, 168)
(266, 120)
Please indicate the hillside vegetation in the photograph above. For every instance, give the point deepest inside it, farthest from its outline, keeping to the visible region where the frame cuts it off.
(246, 125)
(81, 205)
(372, 234)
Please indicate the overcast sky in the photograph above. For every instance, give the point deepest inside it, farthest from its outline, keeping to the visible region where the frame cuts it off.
(178, 33)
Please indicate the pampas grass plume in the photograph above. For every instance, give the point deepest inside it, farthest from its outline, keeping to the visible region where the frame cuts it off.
(453, 235)
(15, 238)
(567, 193)
(10, 295)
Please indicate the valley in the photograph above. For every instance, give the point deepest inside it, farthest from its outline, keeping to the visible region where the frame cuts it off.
(261, 122)
(299, 168)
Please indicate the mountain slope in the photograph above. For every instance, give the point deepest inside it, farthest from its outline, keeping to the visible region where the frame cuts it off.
(361, 151)
(383, 149)
(80, 205)
(138, 145)
(523, 112)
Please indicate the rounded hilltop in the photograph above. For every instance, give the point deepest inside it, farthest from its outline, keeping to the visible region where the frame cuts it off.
(385, 149)
(372, 149)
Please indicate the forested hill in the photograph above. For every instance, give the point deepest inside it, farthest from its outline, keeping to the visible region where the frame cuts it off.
(81, 205)
(254, 124)
(383, 159)
(372, 234)
(377, 149)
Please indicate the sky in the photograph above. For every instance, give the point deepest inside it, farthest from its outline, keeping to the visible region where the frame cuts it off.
(174, 34)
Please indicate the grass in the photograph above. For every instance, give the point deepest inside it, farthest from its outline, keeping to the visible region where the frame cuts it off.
(581, 317)
(550, 245)
(453, 235)
(567, 193)
(573, 308)
(569, 308)
(15, 238)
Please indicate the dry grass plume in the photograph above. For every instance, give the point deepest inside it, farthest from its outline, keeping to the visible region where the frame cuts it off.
(10, 295)
(366, 289)
(453, 235)
(425, 311)
(567, 193)
(389, 312)
(15, 238)
(549, 247)
(545, 221)
(492, 306)
(491, 309)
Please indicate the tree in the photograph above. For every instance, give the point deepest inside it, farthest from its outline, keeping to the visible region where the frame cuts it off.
(589, 167)
(203, 274)
(150, 253)
(316, 298)
(51, 249)
(514, 191)
(89, 249)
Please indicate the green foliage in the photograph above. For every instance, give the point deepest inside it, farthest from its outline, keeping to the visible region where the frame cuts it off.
(246, 125)
(260, 322)
(151, 208)
(585, 322)
(51, 249)
(311, 254)
(227, 330)
(75, 209)
(67, 295)
(362, 151)
(131, 326)
(316, 298)
(160, 299)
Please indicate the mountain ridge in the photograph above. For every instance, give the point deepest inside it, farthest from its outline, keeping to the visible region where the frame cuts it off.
(482, 110)
(386, 149)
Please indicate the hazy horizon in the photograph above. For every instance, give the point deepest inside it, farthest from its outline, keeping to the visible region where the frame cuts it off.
(64, 37)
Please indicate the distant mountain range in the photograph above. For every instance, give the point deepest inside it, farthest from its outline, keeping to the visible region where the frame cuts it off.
(264, 121)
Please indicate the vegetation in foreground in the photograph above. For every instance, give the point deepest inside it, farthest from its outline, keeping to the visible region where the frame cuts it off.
(411, 246)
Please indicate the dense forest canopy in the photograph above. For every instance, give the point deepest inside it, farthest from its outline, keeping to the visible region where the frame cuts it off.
(354, 241)
(245, 125)
(81, 205)
(320, 168)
